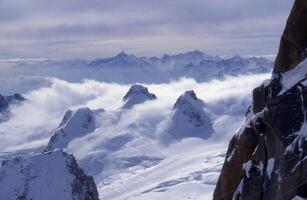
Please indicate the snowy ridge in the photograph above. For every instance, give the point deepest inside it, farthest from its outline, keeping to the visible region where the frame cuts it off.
(74, 125)
(48, 176)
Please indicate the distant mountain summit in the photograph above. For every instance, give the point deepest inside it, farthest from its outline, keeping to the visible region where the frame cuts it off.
(130, 69)
(120, 60)
(137, 94)
(190, 119)
(48, 176)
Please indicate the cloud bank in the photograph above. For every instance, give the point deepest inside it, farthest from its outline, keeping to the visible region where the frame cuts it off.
(31, 123)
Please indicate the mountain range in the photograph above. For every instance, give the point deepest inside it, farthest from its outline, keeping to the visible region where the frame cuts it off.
(24, 75)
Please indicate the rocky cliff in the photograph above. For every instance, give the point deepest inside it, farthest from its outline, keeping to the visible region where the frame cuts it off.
(267, 158)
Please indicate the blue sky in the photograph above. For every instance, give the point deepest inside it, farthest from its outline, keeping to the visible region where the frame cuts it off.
(99, 28)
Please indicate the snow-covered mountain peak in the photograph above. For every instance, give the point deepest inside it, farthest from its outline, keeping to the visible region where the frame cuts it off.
(188, 100)
(137, 94)
(74, 125)
(121, 55)
(190, 119)
(48, 176)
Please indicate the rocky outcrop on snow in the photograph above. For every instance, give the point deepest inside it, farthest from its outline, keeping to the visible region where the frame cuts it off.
(74, 125)
(6, 101)
(189, 118)
(266, 159)
(137, 94)
(48, 176)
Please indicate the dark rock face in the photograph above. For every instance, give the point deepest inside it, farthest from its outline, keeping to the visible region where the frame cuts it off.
(5, 101)
(137, 94)
(266, 159)
(293, 43)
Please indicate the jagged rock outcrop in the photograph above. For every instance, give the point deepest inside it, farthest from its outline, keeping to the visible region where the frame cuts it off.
(74, 125)
(48, 176)
(189, 118)
(266, 159)
(137, 94)
(5, 102)
(293, 43)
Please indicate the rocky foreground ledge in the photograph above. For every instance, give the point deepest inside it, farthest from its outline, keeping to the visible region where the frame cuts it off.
(267, 158)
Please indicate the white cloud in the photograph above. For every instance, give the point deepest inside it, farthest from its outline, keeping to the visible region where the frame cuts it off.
(31, 123)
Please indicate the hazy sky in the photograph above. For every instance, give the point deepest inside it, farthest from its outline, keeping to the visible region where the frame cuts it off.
(98, 28)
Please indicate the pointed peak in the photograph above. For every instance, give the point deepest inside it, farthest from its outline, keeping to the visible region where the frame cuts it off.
(122, 55)
(137, 90)
(137, 94)
(74, 124)
(195, 52)
(189, 97)
(191, 94)
(236, 57)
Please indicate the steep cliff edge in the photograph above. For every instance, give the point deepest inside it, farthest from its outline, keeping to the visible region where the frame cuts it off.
(293, 44)
(267, 157)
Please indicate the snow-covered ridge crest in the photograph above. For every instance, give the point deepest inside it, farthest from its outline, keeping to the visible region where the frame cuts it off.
(74, 125)
(294, 76)
(48, 176)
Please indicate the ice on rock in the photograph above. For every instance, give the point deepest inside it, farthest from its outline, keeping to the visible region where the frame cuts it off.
(48, 176)
(190, 119)
(74, 125)
(137, 94)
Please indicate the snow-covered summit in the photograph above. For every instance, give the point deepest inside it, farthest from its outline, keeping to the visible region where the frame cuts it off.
(48, 176)
(190, 119)
(137, 94)
(121, 60)
(74, 124)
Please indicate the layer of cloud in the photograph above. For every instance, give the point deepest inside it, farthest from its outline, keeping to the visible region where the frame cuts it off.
(31, 123)
(38, 28)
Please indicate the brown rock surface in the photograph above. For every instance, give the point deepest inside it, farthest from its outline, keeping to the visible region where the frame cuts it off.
(293, 42)
(267, 158)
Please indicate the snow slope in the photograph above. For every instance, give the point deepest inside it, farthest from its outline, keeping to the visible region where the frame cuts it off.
(48, 176)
